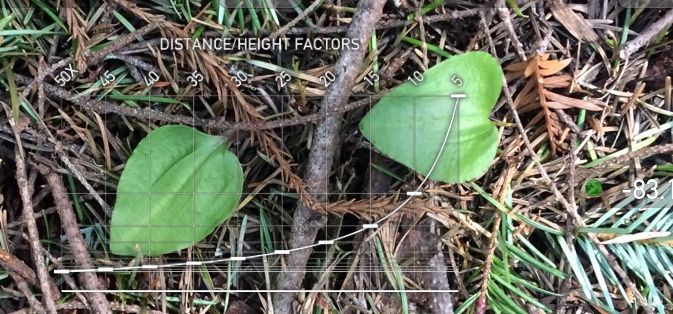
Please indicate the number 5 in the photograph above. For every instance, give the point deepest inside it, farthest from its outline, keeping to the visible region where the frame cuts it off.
(456, 80)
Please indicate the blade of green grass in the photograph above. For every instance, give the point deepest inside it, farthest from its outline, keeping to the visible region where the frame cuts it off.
(145, 98)
(6, 20)
(636, 146)
(424, 10)
(23, 32)
(129, 26)
(430, 47)
(13, 92)
(51, 13)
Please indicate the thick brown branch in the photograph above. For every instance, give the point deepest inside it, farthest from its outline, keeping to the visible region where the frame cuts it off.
(77, 246)
(307, 221)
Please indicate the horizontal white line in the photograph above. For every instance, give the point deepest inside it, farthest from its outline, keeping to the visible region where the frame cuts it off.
(193, 263)
(237, 258)
(61, 271)
(195, 95)
(326, 242)
(105, 269)
(309, 269)
(414, 193)
(149, 266)
(259, 291)
(370, 226)
(284, 252)
(457, 95)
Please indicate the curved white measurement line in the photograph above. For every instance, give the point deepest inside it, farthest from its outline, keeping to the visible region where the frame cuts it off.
(434, 163)
(378, 223)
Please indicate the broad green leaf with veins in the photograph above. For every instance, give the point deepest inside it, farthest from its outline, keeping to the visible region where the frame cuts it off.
(409, 124)
(176, 188)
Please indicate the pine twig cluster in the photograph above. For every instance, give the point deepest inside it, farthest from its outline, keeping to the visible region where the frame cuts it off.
(544, 75)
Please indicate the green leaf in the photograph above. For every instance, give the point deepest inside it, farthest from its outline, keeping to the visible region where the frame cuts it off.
(593, 188)
(176, 188)
(409, 124)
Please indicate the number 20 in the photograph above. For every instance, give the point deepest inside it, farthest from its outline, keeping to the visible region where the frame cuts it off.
(327, 79)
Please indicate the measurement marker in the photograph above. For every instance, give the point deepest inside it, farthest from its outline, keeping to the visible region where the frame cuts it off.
(149, 266)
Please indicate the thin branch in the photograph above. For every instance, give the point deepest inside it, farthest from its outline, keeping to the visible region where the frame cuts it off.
(104, 107)
(13, 264)
(570, 223)
(49, 291)
(301, 16)
(115, 306)
(22, 285)
(647, 36)
(92, 58)
(480, 305)
(503, 13)
(34, 235)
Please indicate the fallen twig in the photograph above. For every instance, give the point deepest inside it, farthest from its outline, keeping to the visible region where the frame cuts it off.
(104, 107)
(647, 35)
(21, 283)
(306, 221)
(92, 58)
(48, 288)
(301, 16)
(75, 240)
(451, 15)
(115, 306)
(480, 305)
(503, 13)
(11, 263)
(570, 223)
(34, 235)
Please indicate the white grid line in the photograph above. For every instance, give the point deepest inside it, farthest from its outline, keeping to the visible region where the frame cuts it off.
(377, 223)
(259, 291)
